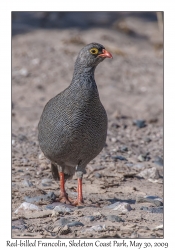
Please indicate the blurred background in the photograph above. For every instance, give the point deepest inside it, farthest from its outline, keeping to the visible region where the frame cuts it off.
(45, 46)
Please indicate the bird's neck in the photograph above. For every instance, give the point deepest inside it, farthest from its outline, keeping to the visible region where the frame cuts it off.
(84, 76)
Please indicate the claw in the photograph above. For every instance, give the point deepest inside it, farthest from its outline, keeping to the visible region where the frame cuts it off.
(78, 203)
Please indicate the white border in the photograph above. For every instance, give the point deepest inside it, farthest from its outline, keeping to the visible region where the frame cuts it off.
(5, 96)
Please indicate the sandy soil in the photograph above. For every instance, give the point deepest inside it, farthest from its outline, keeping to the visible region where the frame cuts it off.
(131, 89)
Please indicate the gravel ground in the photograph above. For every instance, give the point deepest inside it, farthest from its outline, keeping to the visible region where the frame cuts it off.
(123, 187)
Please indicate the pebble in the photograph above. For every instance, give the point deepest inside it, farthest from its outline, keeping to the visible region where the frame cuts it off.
(152, 173)
(96, 228)
(68, 222)
(159, 161)
(46, 182)
(119, 157)
(13, 142)
(114, 218)
(24, 161)
(75, 224)
(113, 139)
(140, 123)
(89, 218)
(62, 230)
(22, 137)
(120, 206)
(41, 156)
(62, 222)
(139, 166)
(95, 167)
(46, 197)
(156, 210)
(23, 72)
(141, 158)
(124, 149)
(35, 61)
(27, 206)
(19, 224)
(97, 175)
(151, 199)
(147, 139)
(27, 183)
(62, 209)
(158, 227)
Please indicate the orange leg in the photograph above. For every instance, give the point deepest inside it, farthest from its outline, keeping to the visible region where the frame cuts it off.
(63, 195)
(79, 201)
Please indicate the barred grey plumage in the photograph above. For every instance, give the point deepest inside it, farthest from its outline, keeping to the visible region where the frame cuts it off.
(73, 125)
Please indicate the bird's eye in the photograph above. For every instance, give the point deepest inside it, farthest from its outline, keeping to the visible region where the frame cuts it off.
(94, 51)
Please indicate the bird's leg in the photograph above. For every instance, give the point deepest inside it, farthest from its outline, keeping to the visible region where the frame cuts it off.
(63, 195)
(79, 201)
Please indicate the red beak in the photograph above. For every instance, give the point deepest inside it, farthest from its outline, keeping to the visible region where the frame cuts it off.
(105, 54)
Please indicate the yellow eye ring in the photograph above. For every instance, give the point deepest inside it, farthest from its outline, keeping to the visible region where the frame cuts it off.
(94, 51)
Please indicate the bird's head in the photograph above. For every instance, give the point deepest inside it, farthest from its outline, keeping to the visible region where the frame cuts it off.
(92, 54)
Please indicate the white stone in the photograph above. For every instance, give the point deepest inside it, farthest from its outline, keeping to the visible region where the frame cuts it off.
(62, 209)
(96, 228)
(123, 207)
(27, 206)
(151, 173)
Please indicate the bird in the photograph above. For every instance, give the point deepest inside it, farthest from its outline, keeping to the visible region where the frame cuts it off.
(72, 128)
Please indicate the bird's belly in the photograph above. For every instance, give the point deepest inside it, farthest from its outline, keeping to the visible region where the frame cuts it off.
(77, 140)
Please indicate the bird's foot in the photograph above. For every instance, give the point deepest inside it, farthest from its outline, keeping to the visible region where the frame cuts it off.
(77, 202)
(64, 198)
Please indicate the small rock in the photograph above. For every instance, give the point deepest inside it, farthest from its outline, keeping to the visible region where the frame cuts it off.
(124, 149)
(19, 224)
(93, 168)
(41, 156)
(114, 218)
(22, 137)
(35, 61)
(151, 199)
(96, 228)
(152, 173)
(141, 158)
(129, 164)
(159, 181)
(46, 182)
(158, 227)
(113, 139)
(25, 162)
(147, 139)
(156, 210)
(68, 222)
(23, 72)
(98, 214)
(62, 209)
(75, 224)
(140, 123)
(89, 218)
(13, 142)
(97, 175)
(120, 206)
(123, 207)
(159, 161)
(26, 206)
(139, 166)
(119, 157)
(27, 183)
(20, 170)
(62, 222)
(65, 230)
(37, 199)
